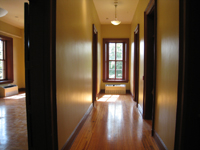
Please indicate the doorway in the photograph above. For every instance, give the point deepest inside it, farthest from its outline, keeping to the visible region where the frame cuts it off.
(94, 64)
(136, 64)
(150, 33)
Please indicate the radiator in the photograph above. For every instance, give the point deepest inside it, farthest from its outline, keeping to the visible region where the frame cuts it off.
(8, 90)
(115, 89)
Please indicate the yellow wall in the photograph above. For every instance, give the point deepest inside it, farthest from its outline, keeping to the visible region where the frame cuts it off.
(18, 51)
(138, 19)
(111, 31)
(167, 65)
(74, 63)
(167, 70)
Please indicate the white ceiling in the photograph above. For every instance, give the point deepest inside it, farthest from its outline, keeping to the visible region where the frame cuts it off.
(105, 10)
(15, 15)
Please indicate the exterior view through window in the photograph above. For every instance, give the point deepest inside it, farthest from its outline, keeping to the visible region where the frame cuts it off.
(115, 60)
(2, 60)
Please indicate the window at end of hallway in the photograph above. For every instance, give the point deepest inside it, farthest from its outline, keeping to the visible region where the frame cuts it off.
(115, 60)
(6, 59)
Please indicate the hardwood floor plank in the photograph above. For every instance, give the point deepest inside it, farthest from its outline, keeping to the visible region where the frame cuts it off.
(115, 124)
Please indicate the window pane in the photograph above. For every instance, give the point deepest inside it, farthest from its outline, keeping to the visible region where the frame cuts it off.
(1, 49)
(119, 51)
(119, 64)
(111, 51)
(111, 73)
(111, 64)
(2, 70)
(111, 69)
(119, 73)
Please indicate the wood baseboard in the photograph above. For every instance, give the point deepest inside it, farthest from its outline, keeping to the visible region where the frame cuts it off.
(161, 145)
(74, 134)
(103, 91)
(22, 89)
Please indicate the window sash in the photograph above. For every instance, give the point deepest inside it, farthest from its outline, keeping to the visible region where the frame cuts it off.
(6, 60)
(114, 58)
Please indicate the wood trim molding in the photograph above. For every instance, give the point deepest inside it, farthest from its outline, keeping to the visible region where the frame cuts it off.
(102, 91)
(137, 29)
(128, 92)
(74, 134)
(150, 7)
(161, 145)
(9, 59)
(94, 63)
(22, 89)
(125, 42)
(136, 64)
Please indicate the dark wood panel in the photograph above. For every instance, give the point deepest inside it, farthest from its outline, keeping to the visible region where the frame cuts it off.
(188, 112)
(40, 74)
(136, 64)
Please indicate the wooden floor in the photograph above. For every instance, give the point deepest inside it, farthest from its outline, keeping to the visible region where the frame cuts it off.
(115, 124)
(13, 130)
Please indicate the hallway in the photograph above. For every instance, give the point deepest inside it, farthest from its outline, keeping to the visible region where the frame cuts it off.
(115, 124)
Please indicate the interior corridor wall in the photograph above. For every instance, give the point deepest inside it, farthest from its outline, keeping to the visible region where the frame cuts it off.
(167, 70)
(18, 51)
(138, 18)
(167, 65)
(74, 21)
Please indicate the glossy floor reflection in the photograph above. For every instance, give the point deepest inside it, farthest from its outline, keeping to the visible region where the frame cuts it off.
(115, 124)
(13, 129)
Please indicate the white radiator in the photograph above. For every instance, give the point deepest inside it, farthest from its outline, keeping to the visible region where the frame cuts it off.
(115, 89)
(8, 90)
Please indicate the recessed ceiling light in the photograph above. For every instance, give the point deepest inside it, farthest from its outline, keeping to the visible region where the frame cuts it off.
(3, 12)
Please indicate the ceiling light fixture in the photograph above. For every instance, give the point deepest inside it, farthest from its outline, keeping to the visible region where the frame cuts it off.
(3, 12)
(115, 22)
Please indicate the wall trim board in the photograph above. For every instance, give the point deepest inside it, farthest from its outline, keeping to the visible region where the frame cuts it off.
(22, 89)
(127, 92)
(161, 145)
(10, 34)
(102, 91)
(74, 134)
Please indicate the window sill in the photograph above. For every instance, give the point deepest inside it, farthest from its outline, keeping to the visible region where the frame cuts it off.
(110, 80)
(6, 81)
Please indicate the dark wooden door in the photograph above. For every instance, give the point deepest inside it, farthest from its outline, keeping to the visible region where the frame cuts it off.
(94, 64)
(188, 106)
(149, 60)
(136, 64)
(40, 74)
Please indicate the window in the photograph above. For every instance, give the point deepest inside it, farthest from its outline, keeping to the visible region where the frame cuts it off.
(6, 59)
(115, 62)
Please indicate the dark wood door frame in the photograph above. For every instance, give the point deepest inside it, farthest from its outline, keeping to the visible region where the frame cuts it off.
(188, 111)
(40, 74)
(150, 56)
(94, 63)
(136, 64)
